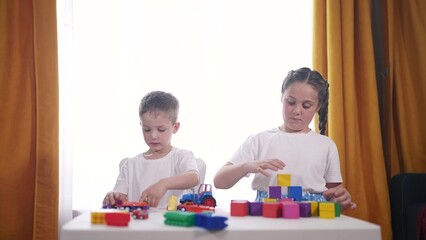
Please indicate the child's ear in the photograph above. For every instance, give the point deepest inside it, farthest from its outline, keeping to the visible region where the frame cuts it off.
(176, 127)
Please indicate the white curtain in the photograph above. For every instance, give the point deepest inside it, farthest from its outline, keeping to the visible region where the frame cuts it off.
(224, 60)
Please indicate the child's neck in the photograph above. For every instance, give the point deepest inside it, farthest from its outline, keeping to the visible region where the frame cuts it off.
(152, 154)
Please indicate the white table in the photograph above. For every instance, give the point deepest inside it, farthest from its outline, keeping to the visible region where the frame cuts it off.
(244, 228)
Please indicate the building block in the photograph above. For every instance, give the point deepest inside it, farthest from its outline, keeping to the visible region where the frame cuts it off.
(272, 210)
(210, 222)
(270, 200)
(337, 209)
(120, 219)
(183, 219)
(239, 208)
(290, 210)
(275, 192)
(314, 208)
(295, 192)
(284, 180)
(327, 210)
(255, 208)
(305, 209)
(97, 218)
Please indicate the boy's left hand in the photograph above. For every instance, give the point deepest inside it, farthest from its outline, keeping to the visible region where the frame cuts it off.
(341, 195)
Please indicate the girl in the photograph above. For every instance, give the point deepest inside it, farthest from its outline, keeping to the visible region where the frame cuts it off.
(293, 148)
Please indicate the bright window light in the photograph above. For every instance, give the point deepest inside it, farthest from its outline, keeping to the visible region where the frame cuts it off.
(224, 61)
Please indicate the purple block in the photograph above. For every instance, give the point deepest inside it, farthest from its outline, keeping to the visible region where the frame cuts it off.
(305, 209)
(274, 191)
(255, 208)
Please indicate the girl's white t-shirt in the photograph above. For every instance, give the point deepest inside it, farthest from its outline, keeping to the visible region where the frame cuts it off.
(311, 159)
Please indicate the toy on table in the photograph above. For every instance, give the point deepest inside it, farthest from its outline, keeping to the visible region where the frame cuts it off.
(130, 206)
(172, 203)
(203, 197)
(192, 207)
(189, 219)
(140, 214)
(294, 203)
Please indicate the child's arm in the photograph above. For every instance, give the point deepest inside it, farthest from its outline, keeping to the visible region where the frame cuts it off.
(229, 174)
(112, 197)
(336, 192)
(154, 193)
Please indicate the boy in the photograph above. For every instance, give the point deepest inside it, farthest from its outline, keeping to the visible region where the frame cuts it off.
(162, 170)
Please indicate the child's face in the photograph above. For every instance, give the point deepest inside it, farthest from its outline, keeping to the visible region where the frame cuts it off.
(300, 103)
(157, 130)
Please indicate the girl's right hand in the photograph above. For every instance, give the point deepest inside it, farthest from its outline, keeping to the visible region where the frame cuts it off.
(261, 166)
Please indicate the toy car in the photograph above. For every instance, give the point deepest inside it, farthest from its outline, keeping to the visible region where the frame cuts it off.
(192, 207)
(203, 197)
(140, 214)
(130, 206)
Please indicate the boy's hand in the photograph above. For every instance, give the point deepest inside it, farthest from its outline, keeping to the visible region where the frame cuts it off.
(260, 166)
(341, 195)
(112, 197)
(153, 194)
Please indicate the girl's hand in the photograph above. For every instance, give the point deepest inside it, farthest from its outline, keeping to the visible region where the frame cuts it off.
(153, 194)
(261, 166)
(341, 195)
(112, 197)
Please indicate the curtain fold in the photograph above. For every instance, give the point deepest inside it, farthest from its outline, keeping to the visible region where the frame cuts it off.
(343, 52)
(28, 120)
(405, 89)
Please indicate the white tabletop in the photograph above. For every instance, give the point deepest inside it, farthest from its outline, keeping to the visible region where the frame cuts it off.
(244, 228)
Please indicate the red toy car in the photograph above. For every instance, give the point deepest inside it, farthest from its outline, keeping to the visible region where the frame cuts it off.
(192, 207)
(140, 214)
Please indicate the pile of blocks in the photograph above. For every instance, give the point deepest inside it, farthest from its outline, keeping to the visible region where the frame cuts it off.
(189, 219)
(111, 218)
(291, 206)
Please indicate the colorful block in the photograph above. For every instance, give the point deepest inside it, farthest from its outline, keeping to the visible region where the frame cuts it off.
(327, 210)
(183, 219)
(274, 191)
(272, 210)
(256, 208)
(119, 219)
(270, 200)
(283, 180)
(290, 210)
(239, 208)
(295, 192)
(305, 209)
(314, 209)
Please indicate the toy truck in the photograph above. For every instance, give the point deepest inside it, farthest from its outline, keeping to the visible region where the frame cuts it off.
(203, 197)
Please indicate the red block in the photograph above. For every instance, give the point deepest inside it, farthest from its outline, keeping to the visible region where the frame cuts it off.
(117, 219)
(239, 208)
(272, 210)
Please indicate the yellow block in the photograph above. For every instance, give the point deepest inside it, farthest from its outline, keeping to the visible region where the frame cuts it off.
(327, 210)
(283, 180)
(269, 200)
(314, 209)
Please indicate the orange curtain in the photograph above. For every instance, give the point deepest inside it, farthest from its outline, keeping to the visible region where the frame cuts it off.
(28, 120)
(343, 52)
(405, 89)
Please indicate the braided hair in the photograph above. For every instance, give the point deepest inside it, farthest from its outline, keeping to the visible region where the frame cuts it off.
(315, 79)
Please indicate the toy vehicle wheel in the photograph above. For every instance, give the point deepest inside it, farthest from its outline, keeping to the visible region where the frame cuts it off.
(209, 201)
(182, 209)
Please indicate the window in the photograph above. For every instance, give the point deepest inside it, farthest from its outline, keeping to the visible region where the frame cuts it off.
(224, 61)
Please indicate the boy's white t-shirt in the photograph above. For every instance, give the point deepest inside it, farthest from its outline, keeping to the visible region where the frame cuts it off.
(138, 173)
(311, 159)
